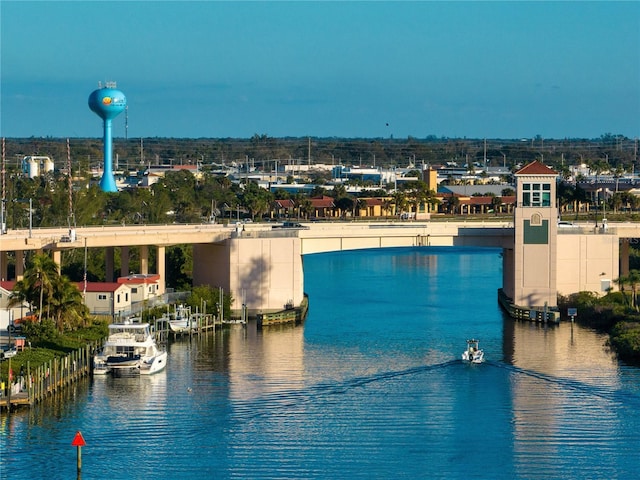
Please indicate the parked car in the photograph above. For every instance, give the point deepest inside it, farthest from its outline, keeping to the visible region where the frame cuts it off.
(290, 225)
(7, 351)
(563, 224)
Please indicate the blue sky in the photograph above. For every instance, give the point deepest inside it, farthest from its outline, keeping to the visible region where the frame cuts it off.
(346, 69)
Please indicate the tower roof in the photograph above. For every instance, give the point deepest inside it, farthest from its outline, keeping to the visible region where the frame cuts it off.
(536, 168)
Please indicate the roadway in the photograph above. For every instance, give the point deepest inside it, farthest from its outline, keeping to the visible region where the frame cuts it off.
(315, 236)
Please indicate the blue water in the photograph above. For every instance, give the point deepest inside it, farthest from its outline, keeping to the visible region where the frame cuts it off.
(370, 386)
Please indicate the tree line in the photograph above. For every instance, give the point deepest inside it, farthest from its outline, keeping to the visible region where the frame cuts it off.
(618, 150)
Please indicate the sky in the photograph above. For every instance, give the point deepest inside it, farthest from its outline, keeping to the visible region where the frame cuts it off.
(455, 69)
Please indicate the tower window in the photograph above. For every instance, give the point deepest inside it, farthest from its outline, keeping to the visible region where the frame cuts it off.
(536, 194)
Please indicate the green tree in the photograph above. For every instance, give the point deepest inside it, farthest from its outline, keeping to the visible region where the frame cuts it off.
(67, 305)
(622, 280)
(496, 204)
(179, 267)
(305, 207)
(344, 204)
(40, 277)
(453, 203)
(256, 199)
(41, 283)
(633, 279)
(400, 201)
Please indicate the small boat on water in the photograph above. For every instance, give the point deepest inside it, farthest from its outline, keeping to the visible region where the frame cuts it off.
(473, 353)
(130, 348)
(181, 320)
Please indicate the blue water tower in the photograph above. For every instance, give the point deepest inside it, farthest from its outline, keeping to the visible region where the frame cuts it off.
(107, 102)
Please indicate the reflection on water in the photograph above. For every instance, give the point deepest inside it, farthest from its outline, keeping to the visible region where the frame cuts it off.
(566, 393)
(567, 350)
(265, 361)
(371, 385)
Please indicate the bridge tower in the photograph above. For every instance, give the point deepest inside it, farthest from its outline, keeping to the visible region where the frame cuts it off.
(530, 269)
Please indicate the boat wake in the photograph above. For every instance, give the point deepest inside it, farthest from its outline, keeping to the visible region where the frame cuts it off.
(289, 398)
(605, 392)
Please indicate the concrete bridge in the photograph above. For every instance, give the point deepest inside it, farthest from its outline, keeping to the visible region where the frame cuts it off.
(259, 263)
(262, 266)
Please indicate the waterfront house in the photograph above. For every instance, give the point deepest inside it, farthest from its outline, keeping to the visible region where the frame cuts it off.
(8, 314)
(143, 286)
(106, 298)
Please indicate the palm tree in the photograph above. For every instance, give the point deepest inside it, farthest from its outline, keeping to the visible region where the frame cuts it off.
(19, 295)
(496, 204)
(386, 206)
(67, 304)
(305, 207)
(453, 204)
(43, 282)
(41, 276)
(400, 201)
(622, 280)
(633, 279)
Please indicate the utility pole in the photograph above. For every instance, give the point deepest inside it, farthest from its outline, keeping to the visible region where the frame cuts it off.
(70, 186)
(4, 186)
(485, 154)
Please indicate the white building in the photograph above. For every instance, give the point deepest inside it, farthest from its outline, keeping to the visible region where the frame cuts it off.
(34, 165)
(106, 298)
(143, 286)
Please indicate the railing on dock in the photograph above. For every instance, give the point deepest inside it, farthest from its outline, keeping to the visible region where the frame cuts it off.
(33, 385)
(201, 323)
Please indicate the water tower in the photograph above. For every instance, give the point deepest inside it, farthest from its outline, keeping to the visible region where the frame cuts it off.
(108, 103)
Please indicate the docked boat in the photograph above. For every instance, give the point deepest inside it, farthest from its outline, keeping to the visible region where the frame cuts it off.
(130, 348)
(181, 320)
(473, 353)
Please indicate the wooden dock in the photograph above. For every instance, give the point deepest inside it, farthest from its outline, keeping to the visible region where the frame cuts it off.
(204, 323)
(288, 315)
(33, 385)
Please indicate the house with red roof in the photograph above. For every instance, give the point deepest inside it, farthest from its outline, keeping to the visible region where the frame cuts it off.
(7, 314)
(144, 286)
(106, 298)
(323, 207)
(283, 208)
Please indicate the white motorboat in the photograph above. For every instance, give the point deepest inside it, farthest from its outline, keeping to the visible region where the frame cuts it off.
(130, 348)
(473, 353)
(181, 320)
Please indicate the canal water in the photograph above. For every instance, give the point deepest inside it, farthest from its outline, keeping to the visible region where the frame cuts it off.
(370, 386)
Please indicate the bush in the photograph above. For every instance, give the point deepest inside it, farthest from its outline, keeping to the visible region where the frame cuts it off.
(47, 343)
(625, 339)
(612, 314)
(601, 313)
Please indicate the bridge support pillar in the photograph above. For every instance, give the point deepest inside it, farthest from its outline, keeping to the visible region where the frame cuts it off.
(4, 266)
(19, 265)
(144, 259)
(161, 270)
(108, 264)
(265, 272)
(124, 261)
(57, 258)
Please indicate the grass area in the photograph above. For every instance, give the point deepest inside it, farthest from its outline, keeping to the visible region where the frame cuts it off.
(46, 343)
